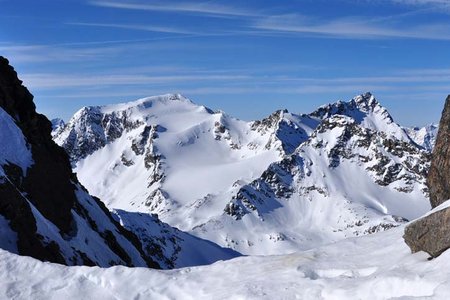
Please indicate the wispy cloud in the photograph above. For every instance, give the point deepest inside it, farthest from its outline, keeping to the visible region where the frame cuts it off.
(427, 6)
(350, 28)
(200, 8)
(49, 81)
(44, 53)
(232, 80)
(424, 2)
(93, 51)
(151, 28)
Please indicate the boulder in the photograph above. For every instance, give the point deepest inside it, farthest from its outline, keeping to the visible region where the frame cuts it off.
(430, 233)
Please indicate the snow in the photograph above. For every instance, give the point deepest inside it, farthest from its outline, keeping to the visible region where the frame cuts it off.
(180, 248)
(204, 159)
(15, 150)
(424, 136)
(192, 158)
(57, 126)
(297, 201)
(378, 266)
(85, 238)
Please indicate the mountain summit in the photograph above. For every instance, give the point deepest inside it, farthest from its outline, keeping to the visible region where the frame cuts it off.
(270, 186)
(46, 213)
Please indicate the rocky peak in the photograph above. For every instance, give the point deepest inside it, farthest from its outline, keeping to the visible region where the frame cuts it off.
(439, 175)
(57, 123)
(364, 104)
(91, 128)
(271, 122)
(365, 101)
(15, 99)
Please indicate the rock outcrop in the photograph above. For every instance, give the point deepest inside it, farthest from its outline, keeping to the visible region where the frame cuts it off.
(439, 175)
(432, 232)
(51, 214)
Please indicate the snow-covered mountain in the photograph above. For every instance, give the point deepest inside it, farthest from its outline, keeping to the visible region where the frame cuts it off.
(46, 213)
(273, 186)
(423, 136)
(57, 125)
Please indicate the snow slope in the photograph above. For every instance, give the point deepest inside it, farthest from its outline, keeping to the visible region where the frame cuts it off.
(424, 136)
(170, 153)
(170, 247)
(85, 243)
(89, 241)
(273, 186)
(15, 150)
(345, 181)
(379, 266)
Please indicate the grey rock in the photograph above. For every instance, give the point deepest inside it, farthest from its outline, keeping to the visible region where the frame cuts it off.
(430, 234)
(439, 175)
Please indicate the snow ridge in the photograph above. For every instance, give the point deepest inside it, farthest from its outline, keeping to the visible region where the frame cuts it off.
(271, 186)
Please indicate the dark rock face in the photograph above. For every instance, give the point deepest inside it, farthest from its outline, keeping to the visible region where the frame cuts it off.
(439, 175)
(96, 129)
(50, 177)
(50, 191)
(430, 234)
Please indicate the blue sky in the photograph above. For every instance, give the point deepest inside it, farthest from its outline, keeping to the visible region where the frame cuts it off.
(247, 58)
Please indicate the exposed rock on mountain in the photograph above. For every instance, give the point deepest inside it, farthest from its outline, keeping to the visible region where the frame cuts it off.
(57, 125)
(273, 186)
(439, 175)
(48, 212)
(170, 247)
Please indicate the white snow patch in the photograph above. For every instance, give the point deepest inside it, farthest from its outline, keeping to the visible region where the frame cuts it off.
(13, 146)
(379, 266)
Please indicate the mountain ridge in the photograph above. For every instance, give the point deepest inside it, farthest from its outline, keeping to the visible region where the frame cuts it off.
(46, 213)
(162, 165)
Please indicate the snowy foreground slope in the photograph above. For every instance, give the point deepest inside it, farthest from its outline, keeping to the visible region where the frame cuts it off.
(273, 186)
(378, 266)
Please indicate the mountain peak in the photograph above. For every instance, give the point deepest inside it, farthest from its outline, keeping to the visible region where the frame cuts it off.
(365, 101)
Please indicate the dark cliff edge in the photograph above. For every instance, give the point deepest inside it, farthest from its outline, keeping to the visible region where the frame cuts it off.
(50, 187)
(439, 175)
(432, 232)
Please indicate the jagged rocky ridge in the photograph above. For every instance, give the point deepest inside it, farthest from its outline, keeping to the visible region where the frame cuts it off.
(46, 213)
(273, 186)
